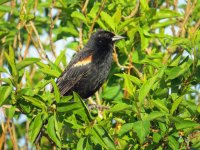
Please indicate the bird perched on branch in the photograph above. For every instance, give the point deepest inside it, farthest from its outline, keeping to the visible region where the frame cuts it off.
(90, 67)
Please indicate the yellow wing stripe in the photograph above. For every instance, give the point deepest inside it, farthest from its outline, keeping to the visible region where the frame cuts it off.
(84, 61)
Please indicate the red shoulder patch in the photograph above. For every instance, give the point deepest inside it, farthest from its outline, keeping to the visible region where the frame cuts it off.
(84, 61)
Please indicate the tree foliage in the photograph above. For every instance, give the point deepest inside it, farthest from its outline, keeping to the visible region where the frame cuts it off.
(151, 99)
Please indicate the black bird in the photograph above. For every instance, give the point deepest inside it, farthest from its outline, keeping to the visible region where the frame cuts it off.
(90, 67)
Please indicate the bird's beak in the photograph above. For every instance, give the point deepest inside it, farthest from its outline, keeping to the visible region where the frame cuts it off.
(117, 37)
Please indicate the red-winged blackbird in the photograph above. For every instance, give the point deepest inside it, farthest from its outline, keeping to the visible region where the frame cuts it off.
(90, 67)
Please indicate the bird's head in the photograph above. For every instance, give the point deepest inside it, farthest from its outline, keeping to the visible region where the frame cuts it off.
(103, 39)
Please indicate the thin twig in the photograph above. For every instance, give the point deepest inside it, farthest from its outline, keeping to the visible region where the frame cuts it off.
(9, 106)
(37, 35)
(38, 38)
(115, 57)
(30, 33)
(188, 11)
(100, 107)
(97, 16)
(51, 28)
(98, 100)
(13, 139)
(91, 101)
(80, 37)
(81, 26)
(3, 135)
(85, 6)
(133, 12)
(28, 43)
(14, 135)
(34, 43)
(196, 27)
(175, 7)
(181, 33)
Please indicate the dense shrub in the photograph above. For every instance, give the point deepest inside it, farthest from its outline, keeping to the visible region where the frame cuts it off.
(151, 99)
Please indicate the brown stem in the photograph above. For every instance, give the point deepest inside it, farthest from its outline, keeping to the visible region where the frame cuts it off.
(3, 135)
(188, 11)
(133, 12)
(97, 16)
(51, 28)
(115, 57)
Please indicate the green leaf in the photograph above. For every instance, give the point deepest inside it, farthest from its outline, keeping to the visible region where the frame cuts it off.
(74, 123)
(173, 143)
(52, 73)
(5, 92)
(156, 137)
(51, 130)
(4, 1)
(117, 16)
(85, 112)
(144, 40)
(7, 80)
(108, 20)
(135, 80)
(79, 15)
(125, 23)
(26, 62)
(128, 85)
(25, 91)
(112, 93)
(59, 58)
(81, 144)
(144, 90)
(68, 30)
(3, 70)
(35, 102)
(66, 98)
(41, 85)
(174, 72)
(103, 138)
(56, 91)
(154, 115)
(125, 128)
(166, 13)
(10, 112)
(160, 105)
(142, 129)
(146, 87)
(94, 10)
(11, 61)
(119, 107)
(163, 24)
(68, 106)
(176, 104)
(35, 127)
(180, 123)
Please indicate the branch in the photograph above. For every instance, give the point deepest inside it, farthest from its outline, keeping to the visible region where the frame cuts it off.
(134, 11)
(115, 57)
(188, 11)
(51, 28)
(96, 18)
(81, 25)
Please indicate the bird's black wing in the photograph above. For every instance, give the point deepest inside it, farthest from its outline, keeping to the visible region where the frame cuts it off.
(75, 71)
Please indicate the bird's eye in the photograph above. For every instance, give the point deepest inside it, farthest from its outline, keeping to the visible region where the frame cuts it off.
(107, 36)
